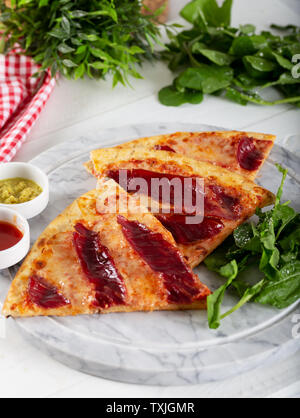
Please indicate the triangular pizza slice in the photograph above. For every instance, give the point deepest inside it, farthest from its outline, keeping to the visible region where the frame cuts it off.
(241, 152)
(229, 198)
(93, 260)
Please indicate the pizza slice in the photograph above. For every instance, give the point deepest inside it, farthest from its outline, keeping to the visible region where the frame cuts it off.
(241, 152)
(93, 260)
(228, 198)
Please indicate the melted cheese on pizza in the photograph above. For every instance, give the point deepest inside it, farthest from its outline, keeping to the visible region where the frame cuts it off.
(229, 198)
(241, 152)
(91, 261)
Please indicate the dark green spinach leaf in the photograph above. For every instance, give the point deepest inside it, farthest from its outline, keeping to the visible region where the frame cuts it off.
(207, 79)
(256, 61)
(273, 245)
(170, 96)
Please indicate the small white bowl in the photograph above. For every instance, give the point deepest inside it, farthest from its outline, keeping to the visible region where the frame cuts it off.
(30, 172)
(13, 255)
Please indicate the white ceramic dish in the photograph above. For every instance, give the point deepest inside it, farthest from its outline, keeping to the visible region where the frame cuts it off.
(15, 254)
(159, 348)
(28, 171)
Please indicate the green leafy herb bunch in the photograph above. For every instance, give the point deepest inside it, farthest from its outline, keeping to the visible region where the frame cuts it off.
(79, 37)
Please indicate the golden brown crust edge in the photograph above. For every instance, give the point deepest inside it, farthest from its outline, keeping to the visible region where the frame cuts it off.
(194, 145)
(225, 134)
(163, 162)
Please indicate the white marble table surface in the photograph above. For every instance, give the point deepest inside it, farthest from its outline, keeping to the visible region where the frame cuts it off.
(86, 106)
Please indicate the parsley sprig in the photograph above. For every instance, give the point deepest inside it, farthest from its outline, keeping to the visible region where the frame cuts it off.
(79, 37)
(215, 58)
(273, 245)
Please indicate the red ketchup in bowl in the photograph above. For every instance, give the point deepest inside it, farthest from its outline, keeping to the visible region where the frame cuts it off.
(10, 235)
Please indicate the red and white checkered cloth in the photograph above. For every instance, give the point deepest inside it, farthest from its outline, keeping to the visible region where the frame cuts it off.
(22, 98)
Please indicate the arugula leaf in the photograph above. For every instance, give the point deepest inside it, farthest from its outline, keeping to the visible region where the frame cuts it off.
(273, 245)
(291, 241)
(214, 301)
(284, 173)
(220, 256)
(246, 239)
(284, 289)
(248, 294)
(282, 215)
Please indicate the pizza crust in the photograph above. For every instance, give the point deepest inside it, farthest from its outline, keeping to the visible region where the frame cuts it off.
(218, 148)
(251, 195)
(163, 162)
(54, 258)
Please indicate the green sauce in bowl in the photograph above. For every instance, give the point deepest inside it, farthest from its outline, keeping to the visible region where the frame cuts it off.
(18, 190)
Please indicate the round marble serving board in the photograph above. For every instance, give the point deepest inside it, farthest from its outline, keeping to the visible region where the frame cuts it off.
(159, 348)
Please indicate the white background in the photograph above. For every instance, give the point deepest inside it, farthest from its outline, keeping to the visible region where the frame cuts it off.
(76, 108)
